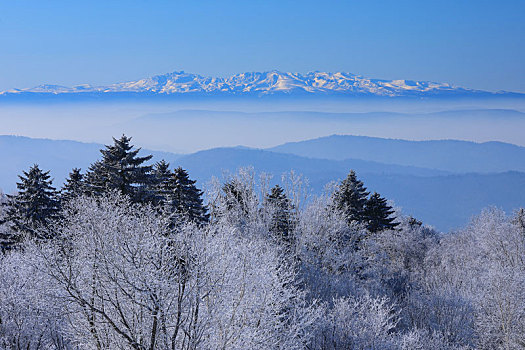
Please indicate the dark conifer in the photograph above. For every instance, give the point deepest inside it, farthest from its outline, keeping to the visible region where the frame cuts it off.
(74, 185)
(162, 185)
(95, 180)
(7, 238)
(185, 198)
(121, 169)
(35, 205)
(379, 214)
(350, 198)
(280, 206)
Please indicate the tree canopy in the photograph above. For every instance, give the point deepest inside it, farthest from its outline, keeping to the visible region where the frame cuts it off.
(34, 206)
(123, 170)
(350, 198)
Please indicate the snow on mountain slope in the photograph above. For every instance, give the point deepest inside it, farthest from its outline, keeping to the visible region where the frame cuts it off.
(261, 83)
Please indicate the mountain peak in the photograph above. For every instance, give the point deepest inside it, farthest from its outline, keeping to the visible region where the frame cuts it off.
(262, 83)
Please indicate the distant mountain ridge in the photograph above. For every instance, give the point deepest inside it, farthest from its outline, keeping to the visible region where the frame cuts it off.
(260, 84)
(445, 155)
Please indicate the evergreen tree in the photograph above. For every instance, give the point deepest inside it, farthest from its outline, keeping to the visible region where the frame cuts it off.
(34, 206)
(178, 192)
(185, 198)
(162, 185)
(281, 224)
(95, 179)
(379, 214)
(74, 185)
(121, 169)
(6, 236)
(350, 198)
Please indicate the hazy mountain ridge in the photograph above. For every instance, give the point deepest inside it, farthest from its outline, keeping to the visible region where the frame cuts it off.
(261, 83)
(446, 155)
(212, 162)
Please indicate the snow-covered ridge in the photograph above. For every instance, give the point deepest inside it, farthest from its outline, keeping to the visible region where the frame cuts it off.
(259, 83)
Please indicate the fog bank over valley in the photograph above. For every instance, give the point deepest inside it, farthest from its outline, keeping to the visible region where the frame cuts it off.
(188, 125)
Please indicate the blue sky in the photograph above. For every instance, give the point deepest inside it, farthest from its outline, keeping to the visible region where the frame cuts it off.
(478, 44)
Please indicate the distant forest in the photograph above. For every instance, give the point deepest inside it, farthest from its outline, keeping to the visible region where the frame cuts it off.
(128, 255)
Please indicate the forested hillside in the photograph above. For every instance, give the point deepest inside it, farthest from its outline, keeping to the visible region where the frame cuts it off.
(129, 255)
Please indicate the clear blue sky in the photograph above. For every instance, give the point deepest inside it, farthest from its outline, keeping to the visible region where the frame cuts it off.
(478, 44)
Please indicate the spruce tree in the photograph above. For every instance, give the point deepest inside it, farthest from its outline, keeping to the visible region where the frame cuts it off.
(178, 193)
(95, 179)
(379, 214)
(281, 223)
(121, 169)
(6, 235)
(74, 185)
(162, 184)
(350, 198)
(185, 198)
(35, 205)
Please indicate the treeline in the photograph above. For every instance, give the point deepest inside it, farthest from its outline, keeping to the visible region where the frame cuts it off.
(37, 203)
(128, 256)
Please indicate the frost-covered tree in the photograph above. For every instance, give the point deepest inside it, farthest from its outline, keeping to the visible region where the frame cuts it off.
(281, 216)
(235, 196)
(358, 323)
(519, 221)
(117, 275)
(481, 269)
(128, 281)
(123, 170)
(395, 259)
(236, 201)
(296, 188)
(34, 205)
(122, 279)
(327, 246)
(421, 339)
(31, 314)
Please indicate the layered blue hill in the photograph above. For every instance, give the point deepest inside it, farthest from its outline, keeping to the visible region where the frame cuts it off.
(446, 155)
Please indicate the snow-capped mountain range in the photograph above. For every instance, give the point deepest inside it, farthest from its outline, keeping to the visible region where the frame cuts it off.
(260, 83)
